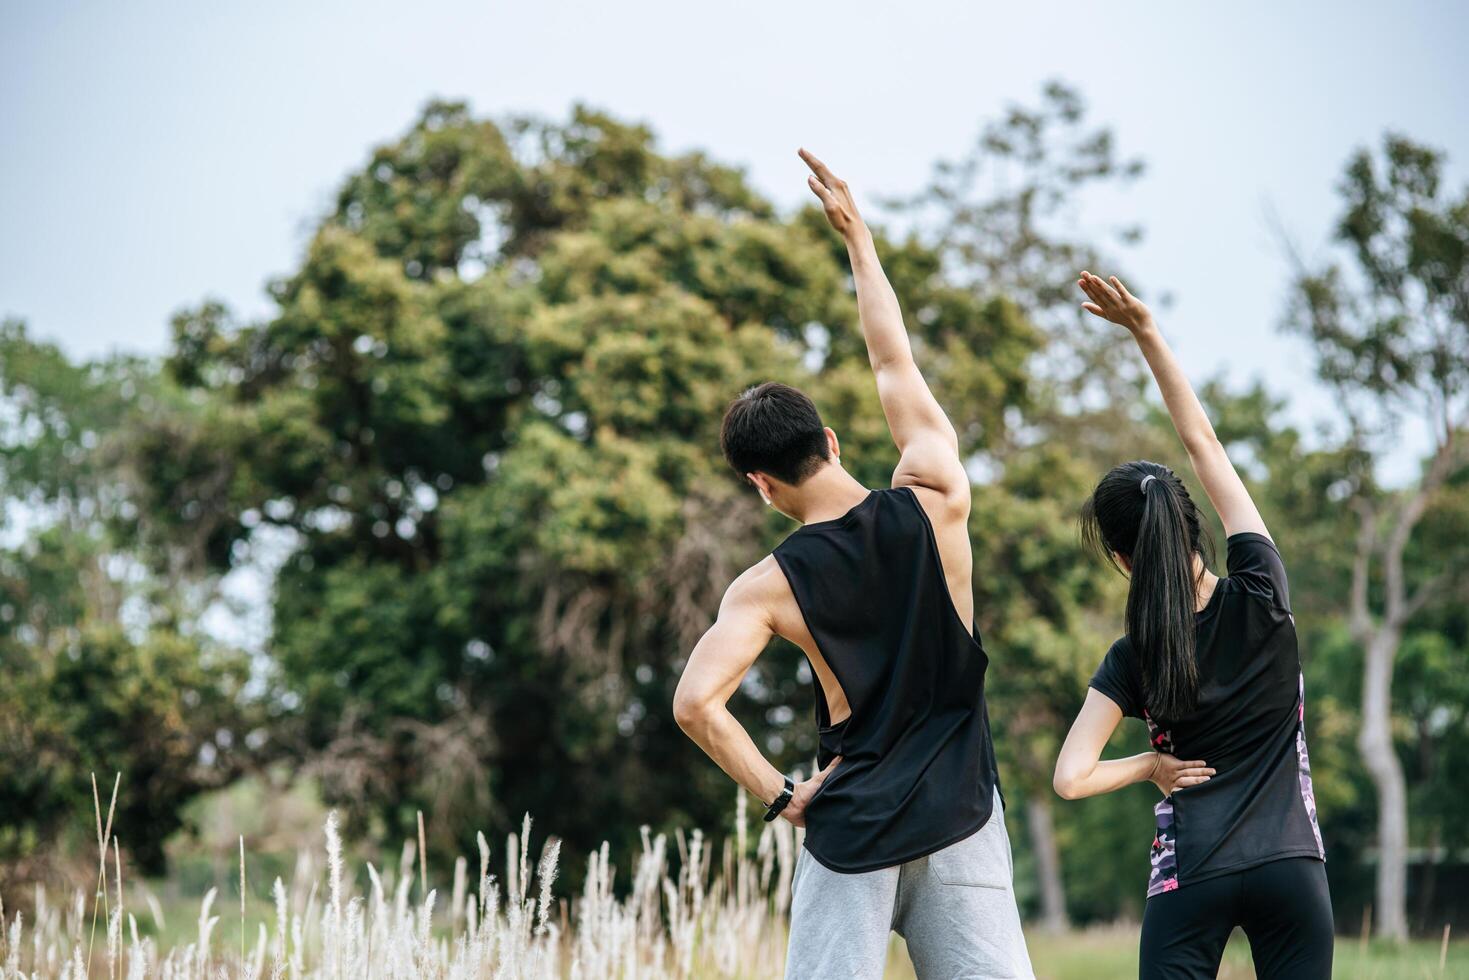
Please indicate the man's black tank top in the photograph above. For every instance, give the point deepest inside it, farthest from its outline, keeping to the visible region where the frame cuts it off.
(918, 767)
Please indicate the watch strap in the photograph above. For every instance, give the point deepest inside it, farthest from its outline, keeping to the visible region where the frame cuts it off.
(779, 803)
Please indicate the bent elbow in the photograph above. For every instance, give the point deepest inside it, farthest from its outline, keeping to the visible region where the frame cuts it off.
(1066, 786)
(690, 711)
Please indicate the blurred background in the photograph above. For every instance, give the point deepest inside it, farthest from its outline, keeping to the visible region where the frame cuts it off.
(362, 367)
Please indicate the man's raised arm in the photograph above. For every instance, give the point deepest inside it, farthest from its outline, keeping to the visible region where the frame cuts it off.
(925, 437)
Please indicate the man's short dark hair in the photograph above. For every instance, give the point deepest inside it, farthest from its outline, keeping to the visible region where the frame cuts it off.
(774, 429)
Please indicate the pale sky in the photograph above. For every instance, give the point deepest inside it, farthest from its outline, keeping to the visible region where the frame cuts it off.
(153, 154)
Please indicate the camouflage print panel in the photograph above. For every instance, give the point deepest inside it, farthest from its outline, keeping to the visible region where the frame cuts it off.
(1303, 764)
(1160, 738)
(1164, 876)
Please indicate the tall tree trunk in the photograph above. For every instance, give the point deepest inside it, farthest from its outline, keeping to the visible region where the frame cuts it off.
(1381, 759)
(1380, 637)
(1428, 881)
(1047, 863)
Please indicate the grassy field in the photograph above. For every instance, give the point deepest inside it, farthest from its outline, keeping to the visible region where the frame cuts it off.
(682, 908)
(170, 918)
(1106, 953)
(1111, 954)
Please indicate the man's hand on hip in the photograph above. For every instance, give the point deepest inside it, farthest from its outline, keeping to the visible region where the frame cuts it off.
(795, 810)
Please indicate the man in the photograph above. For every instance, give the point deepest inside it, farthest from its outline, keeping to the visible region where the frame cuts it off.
(904, 826)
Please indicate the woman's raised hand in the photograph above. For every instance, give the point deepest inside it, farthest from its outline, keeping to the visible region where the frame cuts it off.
(1111, 301)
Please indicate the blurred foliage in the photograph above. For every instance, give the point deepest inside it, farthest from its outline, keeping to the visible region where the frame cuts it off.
(102, 671)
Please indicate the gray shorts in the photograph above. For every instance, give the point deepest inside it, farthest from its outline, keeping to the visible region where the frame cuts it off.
(955, 909)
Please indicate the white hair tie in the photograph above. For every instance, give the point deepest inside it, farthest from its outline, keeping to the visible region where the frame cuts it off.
(1145, 482)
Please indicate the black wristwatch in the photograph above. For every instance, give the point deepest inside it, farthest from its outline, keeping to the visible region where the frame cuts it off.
(779, 803)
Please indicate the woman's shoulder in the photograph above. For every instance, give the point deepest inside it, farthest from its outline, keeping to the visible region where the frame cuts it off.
(1122, 650)
(1117, 677)
(1255, 568)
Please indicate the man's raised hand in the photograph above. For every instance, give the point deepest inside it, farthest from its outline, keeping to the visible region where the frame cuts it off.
(836, 197)
(1111, 301)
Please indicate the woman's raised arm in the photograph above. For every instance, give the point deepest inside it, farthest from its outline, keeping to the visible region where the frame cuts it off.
(1111, 300)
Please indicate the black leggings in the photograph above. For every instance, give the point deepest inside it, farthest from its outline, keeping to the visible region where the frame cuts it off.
(1284, 908)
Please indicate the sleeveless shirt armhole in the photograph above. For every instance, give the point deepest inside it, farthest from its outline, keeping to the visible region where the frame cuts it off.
(815, 677)
(938, 561)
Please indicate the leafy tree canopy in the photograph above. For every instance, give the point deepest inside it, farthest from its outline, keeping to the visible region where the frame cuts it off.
(487, 408)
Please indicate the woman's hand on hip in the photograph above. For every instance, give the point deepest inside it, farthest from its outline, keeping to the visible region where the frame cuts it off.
(1171, 773)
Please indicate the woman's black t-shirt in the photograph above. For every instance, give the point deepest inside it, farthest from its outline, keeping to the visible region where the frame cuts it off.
(1249, 726)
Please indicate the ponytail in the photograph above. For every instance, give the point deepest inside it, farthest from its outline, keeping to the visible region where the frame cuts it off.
(1141, 511)
(1160, 604)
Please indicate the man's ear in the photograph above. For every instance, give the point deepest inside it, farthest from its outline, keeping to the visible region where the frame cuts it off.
(760, 482)
(832, 444)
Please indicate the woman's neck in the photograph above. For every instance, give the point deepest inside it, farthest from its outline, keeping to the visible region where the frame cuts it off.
(1207, 582)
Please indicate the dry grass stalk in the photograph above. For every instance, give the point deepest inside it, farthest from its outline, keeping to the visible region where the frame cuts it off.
(694, 917)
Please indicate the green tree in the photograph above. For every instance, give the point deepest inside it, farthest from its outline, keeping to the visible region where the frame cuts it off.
(486, 411)
(103, 671)
(1392, 341)
(1301, 490)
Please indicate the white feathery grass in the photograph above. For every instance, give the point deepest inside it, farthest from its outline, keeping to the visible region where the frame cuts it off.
(484, 859)
(242, 900)
(456, 900)
(206, 930)
(422, 858)
(12, 946)
(682, 913)
(282, 926)
(155, 909)
(114, 941)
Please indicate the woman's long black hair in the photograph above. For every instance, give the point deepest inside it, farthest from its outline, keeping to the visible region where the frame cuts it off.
(1143, 512)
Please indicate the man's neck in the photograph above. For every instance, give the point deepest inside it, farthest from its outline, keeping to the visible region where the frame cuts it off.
(828, 494)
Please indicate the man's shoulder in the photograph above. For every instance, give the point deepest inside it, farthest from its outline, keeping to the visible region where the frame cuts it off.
(763, 583)
(763, 589)
(942, 507)
(934, 471)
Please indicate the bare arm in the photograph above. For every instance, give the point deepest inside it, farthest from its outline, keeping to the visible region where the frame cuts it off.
(1206, 454)
(700, 705)
(1080, 771)
(926, 440)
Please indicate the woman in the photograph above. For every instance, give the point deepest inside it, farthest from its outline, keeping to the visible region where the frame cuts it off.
(1211, 665)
